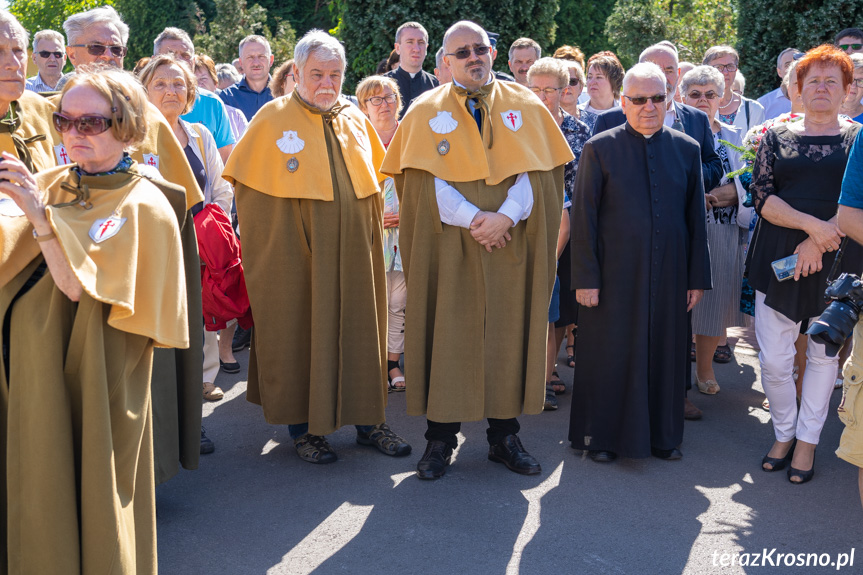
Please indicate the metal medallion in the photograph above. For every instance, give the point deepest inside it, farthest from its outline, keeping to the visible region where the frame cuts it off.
(443, 147)
(293, 165)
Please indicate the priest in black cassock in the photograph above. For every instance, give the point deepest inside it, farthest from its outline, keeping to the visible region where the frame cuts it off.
(639, 264)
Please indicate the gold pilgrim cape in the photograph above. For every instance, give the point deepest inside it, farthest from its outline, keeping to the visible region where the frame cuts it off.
(36, 131)
(77, 490)
(477, 322)
(314, 267)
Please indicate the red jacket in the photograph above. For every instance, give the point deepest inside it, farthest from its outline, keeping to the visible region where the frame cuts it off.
(223, 286)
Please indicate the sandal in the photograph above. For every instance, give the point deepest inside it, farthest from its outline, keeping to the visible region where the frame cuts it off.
(392, 382)
(314, 449)
(570, 357)
(722, 354)
(708, 386)
(557, 386)
(385, 439)
(213, 393)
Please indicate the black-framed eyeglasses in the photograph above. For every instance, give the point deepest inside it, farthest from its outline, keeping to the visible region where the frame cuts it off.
(99, 49)
(852, 46)
(574, 81)
(463, 53)
(47, 54)
(378, 100)
(696, 95)
(546, 91)
(642, 100)
(86, 125)
(726, 67)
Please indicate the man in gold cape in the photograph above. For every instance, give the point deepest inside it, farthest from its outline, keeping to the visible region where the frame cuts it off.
(77, 490)
(308, 197)
(480, 214)
(177, 374)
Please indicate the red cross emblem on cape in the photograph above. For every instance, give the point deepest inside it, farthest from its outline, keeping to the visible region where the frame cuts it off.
(106, 228)
(151, 160)
(62, 155)
(512, 119)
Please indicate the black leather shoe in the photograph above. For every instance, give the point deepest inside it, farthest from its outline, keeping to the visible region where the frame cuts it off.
(242, 339)
(433, 463)
(666, 454)
(512, 453)
(778, 463)
(207, 445)
(602, 456)
(233, 367)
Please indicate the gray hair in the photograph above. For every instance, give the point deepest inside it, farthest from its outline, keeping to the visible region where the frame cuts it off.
(318, 43)
(550, 67)
(661, 47)
(466, 25)
(438, 58)
(740, 80)
(48, 35)
(857, 60)
(785, 51)
(15, 27)
(415, 26)
(525, 43)
(669, 44)
(76, 24)
(573, 65)
(702, 76)
(172, 33)
(644, 71)
(786, 81)
(227, 71)
(254, 38)
(715, 52)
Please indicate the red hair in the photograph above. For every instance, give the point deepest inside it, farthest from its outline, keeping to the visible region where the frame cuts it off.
(826, 56)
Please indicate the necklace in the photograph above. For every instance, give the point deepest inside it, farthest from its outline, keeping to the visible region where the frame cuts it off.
(733, 100)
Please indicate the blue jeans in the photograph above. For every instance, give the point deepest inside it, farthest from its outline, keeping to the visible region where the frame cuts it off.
(300, 429)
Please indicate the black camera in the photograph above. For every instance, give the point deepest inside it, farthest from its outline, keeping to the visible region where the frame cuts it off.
(845, 295)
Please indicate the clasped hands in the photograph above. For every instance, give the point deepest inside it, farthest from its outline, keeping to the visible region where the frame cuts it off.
(823, 237)
(491, 229)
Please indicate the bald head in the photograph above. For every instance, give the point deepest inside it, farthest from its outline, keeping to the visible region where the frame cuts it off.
(461, 27)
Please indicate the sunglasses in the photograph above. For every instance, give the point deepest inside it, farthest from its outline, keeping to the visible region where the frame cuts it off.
(852, 46)
(378, 100)
(696, 95)
(463, 53)
(642, 100)
(46, 54)
(86, 125)
(99, 49)
(574, 81)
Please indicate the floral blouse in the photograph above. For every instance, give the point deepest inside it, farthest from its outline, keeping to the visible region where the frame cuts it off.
(576, 133)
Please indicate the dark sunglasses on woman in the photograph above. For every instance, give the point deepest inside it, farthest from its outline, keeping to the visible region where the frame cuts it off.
(86, 125)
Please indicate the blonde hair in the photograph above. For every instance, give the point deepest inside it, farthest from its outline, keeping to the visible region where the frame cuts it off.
(374, 84)
(550, 67)
(156, 62)
(122, 91)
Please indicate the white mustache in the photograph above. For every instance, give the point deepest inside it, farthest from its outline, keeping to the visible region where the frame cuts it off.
(325, 91)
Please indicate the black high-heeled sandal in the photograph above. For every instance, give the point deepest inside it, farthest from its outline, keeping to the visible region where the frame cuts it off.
(805, 476)
(778, 463)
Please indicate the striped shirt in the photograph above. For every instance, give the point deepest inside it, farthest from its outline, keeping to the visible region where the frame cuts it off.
(35, 84)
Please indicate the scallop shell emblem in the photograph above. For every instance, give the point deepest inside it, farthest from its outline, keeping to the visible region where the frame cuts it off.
(443, 123)
(290, 143)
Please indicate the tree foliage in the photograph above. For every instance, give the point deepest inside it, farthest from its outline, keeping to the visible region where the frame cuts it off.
(368, 27)
(766, 27)
(36, 15)
(234, 21)
(693, 26)
(582, 23)
(146, 19)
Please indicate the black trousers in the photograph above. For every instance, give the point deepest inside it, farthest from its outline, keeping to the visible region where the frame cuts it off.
(497, 430)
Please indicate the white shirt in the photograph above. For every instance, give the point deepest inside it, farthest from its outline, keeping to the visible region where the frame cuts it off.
(775, 104)
(455, 210)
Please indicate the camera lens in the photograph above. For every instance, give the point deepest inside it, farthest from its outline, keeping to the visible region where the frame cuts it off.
(834, 326)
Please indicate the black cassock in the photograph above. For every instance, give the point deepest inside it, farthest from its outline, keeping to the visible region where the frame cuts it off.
(638, 234)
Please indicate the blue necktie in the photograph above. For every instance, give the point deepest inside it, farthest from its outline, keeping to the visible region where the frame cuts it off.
(477, 114)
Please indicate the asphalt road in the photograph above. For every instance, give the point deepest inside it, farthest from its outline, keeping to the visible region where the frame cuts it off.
(254, 507)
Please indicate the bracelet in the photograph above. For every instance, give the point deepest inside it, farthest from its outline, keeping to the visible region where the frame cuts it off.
(47, 237)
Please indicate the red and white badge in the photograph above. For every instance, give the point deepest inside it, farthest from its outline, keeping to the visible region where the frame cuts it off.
(62, 155)
(361, 138)
(512, 119)
(104, 229)
(151, 160)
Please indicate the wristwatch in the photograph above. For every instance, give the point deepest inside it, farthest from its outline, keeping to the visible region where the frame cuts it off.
(49, 236)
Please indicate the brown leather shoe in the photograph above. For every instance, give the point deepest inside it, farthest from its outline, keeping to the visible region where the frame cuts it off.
(690, 412)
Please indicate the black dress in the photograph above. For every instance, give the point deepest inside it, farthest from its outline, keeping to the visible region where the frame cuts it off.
(806, 172)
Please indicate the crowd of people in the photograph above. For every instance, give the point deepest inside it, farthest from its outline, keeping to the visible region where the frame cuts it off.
(443, 234)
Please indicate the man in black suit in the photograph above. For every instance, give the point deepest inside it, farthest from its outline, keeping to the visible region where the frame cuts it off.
(412, 42)
(687, 119)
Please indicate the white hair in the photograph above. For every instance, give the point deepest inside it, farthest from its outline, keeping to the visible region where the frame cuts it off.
(466, 25)
(172, 33)
(318, 43)
(15, 27)
(702, 76)
(77, 24)
(254, 38)
(739, 79)
(661, 47)
(645, 71)
(225, 71)
(48, 35)
(438, 57)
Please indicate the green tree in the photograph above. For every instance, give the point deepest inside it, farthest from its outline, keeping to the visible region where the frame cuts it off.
(234, 21)
(766, 27)
(693, 26)
(37, 15)
(368, 27)
(582, 23)
(146, 19)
